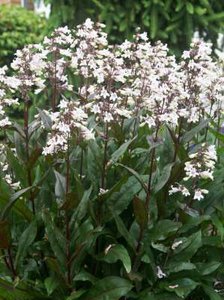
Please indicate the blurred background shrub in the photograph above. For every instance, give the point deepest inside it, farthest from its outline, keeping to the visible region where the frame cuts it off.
(172, 21)
(18, 27)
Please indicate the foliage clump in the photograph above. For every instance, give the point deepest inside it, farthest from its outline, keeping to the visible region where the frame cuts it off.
(115, 188)
(171, 21)
(18, 27)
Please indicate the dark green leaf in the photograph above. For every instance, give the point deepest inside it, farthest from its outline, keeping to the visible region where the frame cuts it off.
(163, 229)
(110, 288)
(114, 253)
(188, 136)
(50, 284)
(183, 287)
(140, 212)
(120, 152)
(208, 268)
(59, 185)
(190, 8)
(163, 177)
(213, 295)
(82, 208)
(46, 120)
(189, 247)
(56, 239)
(154, 22)
(13, 200)
(180, 266)
(218, 224)
(85, 276)
(123, 231)
(26, 239)
(4, 234)
(137, 176)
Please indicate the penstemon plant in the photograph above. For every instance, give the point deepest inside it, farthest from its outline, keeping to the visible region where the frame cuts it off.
(112, 182)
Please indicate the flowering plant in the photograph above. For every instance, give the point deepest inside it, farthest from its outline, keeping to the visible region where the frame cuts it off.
(111, 188)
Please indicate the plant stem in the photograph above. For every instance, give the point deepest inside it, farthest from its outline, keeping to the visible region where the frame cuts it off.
(11, 263)
(207, 127)
(67, 219)
(177, 143)
(54, 94)
(81, 163)
(148, 195)
(217, 139)
(103, 179)
(103, 186)
(6, 261)
(26, 131)
(136, 263)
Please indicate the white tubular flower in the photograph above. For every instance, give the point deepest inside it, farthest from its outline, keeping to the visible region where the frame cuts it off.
(174, 190)
(179, 188)
(160, 274)
(210, 154)
(5, 168)
(5, 122)
(202, 163)
(68, 122)
(176, 244)
(207, 174)
(173, 286)
(191, 170)
(200, 167)
(199, 194)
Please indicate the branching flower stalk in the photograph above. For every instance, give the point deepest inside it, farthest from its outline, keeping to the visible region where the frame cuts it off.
(67, 217)
(26, 130)
(22, 63)
(11, 263)
(105, 138)
(111, 88)
(8, 260)
(176, 136)
(136, 263)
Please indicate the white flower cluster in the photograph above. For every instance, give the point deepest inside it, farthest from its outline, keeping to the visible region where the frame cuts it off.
(203, 80)
(5, 169)
(112, 82)
(70, 121)
(160, 274)
(201, 166)
(7, 88)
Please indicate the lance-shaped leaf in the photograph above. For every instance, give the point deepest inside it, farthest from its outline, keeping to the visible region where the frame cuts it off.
(110, 288)
(188, 136)
(184, 287)
(59, 185)
(81, 209)
(137, 176)
(189, 247)
(210, 291)
(163, 177)
(120, 152)
(4, 234)
(26, 239)
(123, 230)
(51, 284)
(140, 212)
(13, 200)
(46, 120)
(8, 291)
(119, 200)
(113, 253)
(56, 239)
(208, 268)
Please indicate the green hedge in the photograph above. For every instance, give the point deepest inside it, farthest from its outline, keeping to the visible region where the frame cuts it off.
(18, 27)
(172, 21)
